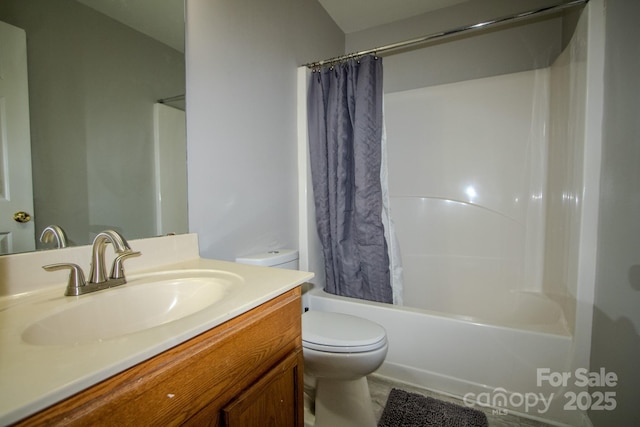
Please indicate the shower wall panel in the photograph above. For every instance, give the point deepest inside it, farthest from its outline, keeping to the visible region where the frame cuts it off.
(467, 172)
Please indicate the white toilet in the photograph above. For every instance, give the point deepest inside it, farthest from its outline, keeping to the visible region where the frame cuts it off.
(339, 352)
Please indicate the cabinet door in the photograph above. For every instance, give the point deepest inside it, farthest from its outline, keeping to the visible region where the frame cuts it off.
(273, 401)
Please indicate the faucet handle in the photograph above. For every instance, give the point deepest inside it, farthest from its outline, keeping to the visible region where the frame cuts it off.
(117, 269)
(76, 277)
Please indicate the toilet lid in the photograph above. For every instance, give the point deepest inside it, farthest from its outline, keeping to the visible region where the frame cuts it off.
(340, 333)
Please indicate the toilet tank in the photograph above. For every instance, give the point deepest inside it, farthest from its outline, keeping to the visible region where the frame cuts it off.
(280, 258)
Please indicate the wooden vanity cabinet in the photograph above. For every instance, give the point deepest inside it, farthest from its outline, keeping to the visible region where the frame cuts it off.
(244, 372)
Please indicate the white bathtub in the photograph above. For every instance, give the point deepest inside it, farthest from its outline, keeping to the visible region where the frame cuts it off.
(475, 230)
(472, 358)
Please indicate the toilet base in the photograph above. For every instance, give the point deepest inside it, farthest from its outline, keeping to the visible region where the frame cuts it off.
(343, 403)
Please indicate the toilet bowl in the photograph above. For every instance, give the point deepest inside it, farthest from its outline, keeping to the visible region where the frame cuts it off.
(339, 351)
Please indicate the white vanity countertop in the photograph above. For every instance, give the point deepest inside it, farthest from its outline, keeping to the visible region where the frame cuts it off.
(33, 377)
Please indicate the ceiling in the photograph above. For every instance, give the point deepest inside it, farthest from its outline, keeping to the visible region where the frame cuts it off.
(356, 15)
(164, 20)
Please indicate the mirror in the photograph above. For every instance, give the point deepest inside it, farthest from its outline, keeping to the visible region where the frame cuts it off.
(105, 154)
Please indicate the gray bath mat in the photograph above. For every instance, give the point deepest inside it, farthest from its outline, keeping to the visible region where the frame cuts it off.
(406, 409)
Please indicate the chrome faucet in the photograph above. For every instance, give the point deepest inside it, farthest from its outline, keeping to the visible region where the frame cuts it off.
(54, 232)
(98, 278)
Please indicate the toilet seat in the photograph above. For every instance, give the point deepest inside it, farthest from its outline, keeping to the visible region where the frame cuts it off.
(340, 333)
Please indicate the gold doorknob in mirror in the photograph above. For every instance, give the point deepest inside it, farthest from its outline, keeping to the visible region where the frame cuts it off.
(21, 217)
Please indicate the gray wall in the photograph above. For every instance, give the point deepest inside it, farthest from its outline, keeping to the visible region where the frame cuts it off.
(242, 57)
(616, 327)
(503, 49)
(92, 86)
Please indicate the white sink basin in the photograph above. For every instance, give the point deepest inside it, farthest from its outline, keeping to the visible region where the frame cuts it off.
(143, 303)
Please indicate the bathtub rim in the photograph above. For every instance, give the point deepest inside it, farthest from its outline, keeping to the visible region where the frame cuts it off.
(556, 329)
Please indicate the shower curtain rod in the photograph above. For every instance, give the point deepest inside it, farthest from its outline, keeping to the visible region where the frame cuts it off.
(448, 33)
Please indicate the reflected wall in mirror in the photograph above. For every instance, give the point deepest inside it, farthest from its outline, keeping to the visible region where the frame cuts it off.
(93, 82)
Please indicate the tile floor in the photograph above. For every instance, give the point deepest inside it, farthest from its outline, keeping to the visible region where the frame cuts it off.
(380, 387)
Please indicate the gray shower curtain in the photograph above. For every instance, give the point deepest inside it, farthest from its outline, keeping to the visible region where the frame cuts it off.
(345, 133)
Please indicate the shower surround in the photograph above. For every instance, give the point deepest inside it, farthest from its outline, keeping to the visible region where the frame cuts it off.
(494, 187)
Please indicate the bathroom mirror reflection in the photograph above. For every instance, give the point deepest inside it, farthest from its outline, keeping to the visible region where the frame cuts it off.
(105, 154)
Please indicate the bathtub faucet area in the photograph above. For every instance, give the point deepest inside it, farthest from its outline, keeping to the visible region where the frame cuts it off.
(98, 280)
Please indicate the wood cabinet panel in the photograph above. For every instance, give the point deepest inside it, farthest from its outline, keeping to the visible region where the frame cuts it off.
(193, 381)
(274, 401)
